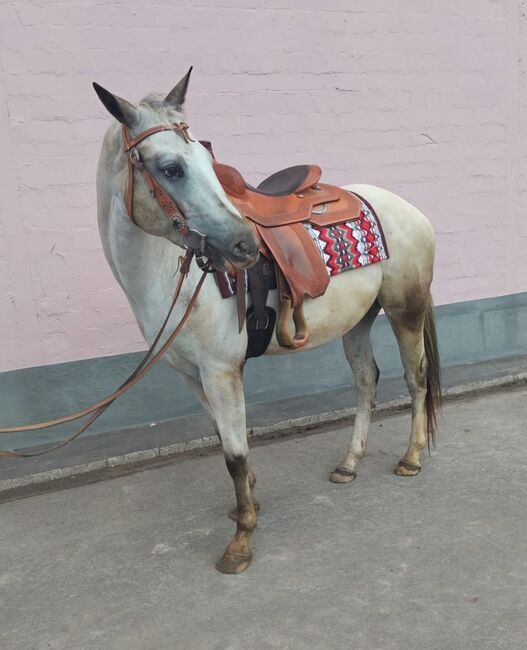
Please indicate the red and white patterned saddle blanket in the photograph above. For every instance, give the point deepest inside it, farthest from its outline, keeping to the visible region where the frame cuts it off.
(343, 247)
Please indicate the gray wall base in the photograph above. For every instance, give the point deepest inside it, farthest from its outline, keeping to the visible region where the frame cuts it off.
(469, 332)
(108, 455)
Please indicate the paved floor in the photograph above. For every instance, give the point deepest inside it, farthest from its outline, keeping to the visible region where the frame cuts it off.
(436, 561)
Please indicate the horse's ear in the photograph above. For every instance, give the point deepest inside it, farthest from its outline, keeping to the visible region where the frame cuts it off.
(176, 97)
(122, 110)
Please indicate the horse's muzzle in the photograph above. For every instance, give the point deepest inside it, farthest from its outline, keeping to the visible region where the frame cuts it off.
(244, 252)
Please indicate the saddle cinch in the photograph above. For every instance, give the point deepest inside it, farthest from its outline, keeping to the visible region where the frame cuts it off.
(278, 208)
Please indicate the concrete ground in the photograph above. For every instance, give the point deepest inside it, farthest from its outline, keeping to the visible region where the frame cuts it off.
(433, 562)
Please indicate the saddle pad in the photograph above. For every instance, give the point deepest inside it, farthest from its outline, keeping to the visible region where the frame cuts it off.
(343, 247)
(351, 244)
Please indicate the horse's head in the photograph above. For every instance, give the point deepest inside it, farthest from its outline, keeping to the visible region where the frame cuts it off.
(181, 169)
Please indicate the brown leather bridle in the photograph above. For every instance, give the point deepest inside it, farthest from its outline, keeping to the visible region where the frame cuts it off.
(192, 238)
(167, 204)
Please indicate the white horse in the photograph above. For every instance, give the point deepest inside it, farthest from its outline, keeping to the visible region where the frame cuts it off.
(210, 353)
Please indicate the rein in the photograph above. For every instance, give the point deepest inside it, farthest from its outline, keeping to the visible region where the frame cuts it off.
(145, 365)
(173, 213)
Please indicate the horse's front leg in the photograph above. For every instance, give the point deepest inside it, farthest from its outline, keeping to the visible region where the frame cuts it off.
(224, 390)
(233, 514)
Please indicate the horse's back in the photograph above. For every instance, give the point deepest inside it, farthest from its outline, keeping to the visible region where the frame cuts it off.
(410, 241)
(399, 218)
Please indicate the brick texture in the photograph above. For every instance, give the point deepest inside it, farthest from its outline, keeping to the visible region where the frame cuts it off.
(426, 99)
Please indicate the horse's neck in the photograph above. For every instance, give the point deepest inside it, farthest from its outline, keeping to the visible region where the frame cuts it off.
(147, 268)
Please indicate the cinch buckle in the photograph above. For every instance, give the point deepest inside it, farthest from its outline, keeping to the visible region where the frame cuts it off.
(253, 317)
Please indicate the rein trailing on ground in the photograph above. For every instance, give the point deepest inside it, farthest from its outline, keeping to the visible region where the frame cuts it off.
(196, 246)
(195, 243)
(146, 364)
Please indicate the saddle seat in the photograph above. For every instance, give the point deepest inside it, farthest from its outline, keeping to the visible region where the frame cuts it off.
(289, 180)
(310, 201)
(280, 208)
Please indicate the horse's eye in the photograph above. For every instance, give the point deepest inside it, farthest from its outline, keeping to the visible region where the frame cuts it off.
(174, 171)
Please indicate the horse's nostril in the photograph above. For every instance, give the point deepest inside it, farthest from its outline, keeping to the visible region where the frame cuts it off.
(242, 249)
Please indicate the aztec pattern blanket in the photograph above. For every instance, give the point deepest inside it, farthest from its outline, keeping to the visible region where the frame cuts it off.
(343, 247)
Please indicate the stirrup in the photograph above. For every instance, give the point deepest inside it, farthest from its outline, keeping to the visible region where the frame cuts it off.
(283, 334)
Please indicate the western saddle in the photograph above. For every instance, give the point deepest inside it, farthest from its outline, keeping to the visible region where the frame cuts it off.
(278, 208)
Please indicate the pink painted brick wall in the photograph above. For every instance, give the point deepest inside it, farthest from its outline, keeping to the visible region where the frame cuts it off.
(428, 99)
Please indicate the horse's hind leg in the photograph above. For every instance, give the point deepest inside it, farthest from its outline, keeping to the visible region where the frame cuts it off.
(415, 332)
(411, 346)
(358, 350)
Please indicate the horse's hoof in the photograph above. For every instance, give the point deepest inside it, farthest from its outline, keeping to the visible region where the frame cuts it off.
(342, 475)
(233, 514)
(404, 468)
(233, 563)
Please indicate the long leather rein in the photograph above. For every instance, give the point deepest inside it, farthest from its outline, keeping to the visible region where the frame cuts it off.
(171, 211)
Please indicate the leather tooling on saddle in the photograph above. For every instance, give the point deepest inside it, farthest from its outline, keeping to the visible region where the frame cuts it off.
(309, 231)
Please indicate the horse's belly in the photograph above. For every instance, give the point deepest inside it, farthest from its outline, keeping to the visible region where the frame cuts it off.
(347, 299)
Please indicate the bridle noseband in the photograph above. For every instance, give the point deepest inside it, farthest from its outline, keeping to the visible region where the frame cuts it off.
(195, 240)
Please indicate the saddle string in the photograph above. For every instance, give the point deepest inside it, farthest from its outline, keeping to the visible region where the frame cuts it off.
(145, 365)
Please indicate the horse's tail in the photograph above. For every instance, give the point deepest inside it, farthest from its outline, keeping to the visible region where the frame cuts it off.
(433, 375)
